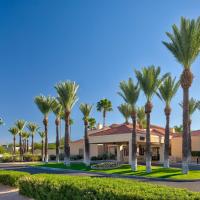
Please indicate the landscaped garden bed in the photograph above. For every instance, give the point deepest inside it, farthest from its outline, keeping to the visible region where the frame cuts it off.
(157, 172)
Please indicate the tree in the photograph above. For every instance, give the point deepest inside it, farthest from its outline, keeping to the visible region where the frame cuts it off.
(178, 129)
(33, 128)
(92, 123)
(58, 111)
(104, 106)
(25, 136)
(44, 105)
(130, 93)
(141, 119)
(86, 110)
(1, 122)
(42, 135)
(150, 81)
(67, 97)
(185, 46)
(167, 91)
(125, 110)
(20, 124)
(193, 106)
(14, 131)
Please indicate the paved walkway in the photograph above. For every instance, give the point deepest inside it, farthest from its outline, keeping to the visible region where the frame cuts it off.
(9, 193)
(193, 186)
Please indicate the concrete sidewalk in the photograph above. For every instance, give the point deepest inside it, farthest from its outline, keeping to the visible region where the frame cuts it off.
(9, 193)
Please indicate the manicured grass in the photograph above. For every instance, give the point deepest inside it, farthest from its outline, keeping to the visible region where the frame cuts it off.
(157, 172)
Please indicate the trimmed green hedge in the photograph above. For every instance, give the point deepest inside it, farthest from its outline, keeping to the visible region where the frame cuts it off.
(11, 178)
(54, 187)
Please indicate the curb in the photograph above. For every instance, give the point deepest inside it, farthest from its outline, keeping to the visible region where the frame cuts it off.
(118, 176)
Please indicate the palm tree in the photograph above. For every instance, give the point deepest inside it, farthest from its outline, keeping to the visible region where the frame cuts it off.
(1, 122)
(130, 93)
(104, 106)
(92, 123)
(58, 111)
(67, 97)
(150, 81)
(86, 110)
(27, 142)
(185, 46)
(24, 139)
(14, 131)
(178, 129)
(167, 91)
(141, 117)
(193, 106)
(42, 135)
(20, 124)
(44, 105)
(125, 110)
(33, 128)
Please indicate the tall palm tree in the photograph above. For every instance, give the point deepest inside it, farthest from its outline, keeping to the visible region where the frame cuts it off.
(58, 111)
(193, 106)
(150, 81)
(141, 117)
(67, 97)
(42, 135)
(14, 131)
(86, 110)
(44, 105)
(185, 46)
(130, 93)
(167, 91)
(24, 140)
(104, 106)
(20, 124)
(92, 123)
(33, 128)
(125, 110)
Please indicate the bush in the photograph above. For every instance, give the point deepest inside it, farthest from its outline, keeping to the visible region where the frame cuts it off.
(76, 157)
(52, 157)
(11, 178)
(31, 158)
(195, 153)
(55, 187)
(7, 158)
(104, 156)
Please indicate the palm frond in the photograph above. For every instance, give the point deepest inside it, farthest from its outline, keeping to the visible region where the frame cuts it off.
(57, 108)
(86, 110)
(125, 109)
(20, 124)
(104, 105)
(14, 130)
(42, 134)
(32, 127)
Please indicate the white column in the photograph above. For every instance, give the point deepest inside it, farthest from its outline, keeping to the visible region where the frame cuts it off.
(118, 153)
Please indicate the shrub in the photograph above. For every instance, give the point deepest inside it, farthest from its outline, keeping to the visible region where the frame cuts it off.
(55, 187)
(31, 158)
(76, 157)
(52, 157)
(104, 156)
(7, 158)
(11, 178)
(195, 153)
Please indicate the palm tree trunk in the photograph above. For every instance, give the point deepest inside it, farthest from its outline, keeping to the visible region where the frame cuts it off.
(57, 140)
(185, 146)
(20, 147)
(134, 144)
(167, 130)
(46, 140)
(104, 118)
(148, 108)
(14, 145)
(87, 146)
(27, 145)
(42, 150)
(67, 140)
(190, 143)
(32, 144)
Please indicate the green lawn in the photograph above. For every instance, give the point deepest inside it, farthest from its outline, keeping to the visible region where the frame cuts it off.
(157, 172)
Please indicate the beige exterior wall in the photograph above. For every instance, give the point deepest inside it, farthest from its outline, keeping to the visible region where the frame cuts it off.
(176, 146)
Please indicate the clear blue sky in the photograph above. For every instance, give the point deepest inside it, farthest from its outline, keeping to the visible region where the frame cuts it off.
(95, 43)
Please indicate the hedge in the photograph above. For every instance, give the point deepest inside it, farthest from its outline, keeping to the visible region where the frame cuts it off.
(54, 187)
(11, 178)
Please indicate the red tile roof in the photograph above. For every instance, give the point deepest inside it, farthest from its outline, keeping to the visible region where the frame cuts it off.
(127, 128)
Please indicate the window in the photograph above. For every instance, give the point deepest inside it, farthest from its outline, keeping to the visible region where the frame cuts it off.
(142, 138)
(141, 151)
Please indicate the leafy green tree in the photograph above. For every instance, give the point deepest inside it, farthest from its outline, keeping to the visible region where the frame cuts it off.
(141, 117)
(92, 123)
(44, 105)
(150, 81)
(58, 111)
(130, 93)
(167, 91)
(86, 110)
(185, 46)
(67, 97)
(42, 135)
(194, 105)
(178, 129)
(33, 128)
(125, 110)
(104, 106)
(2, 150)
(14, 131)
(20, 124)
